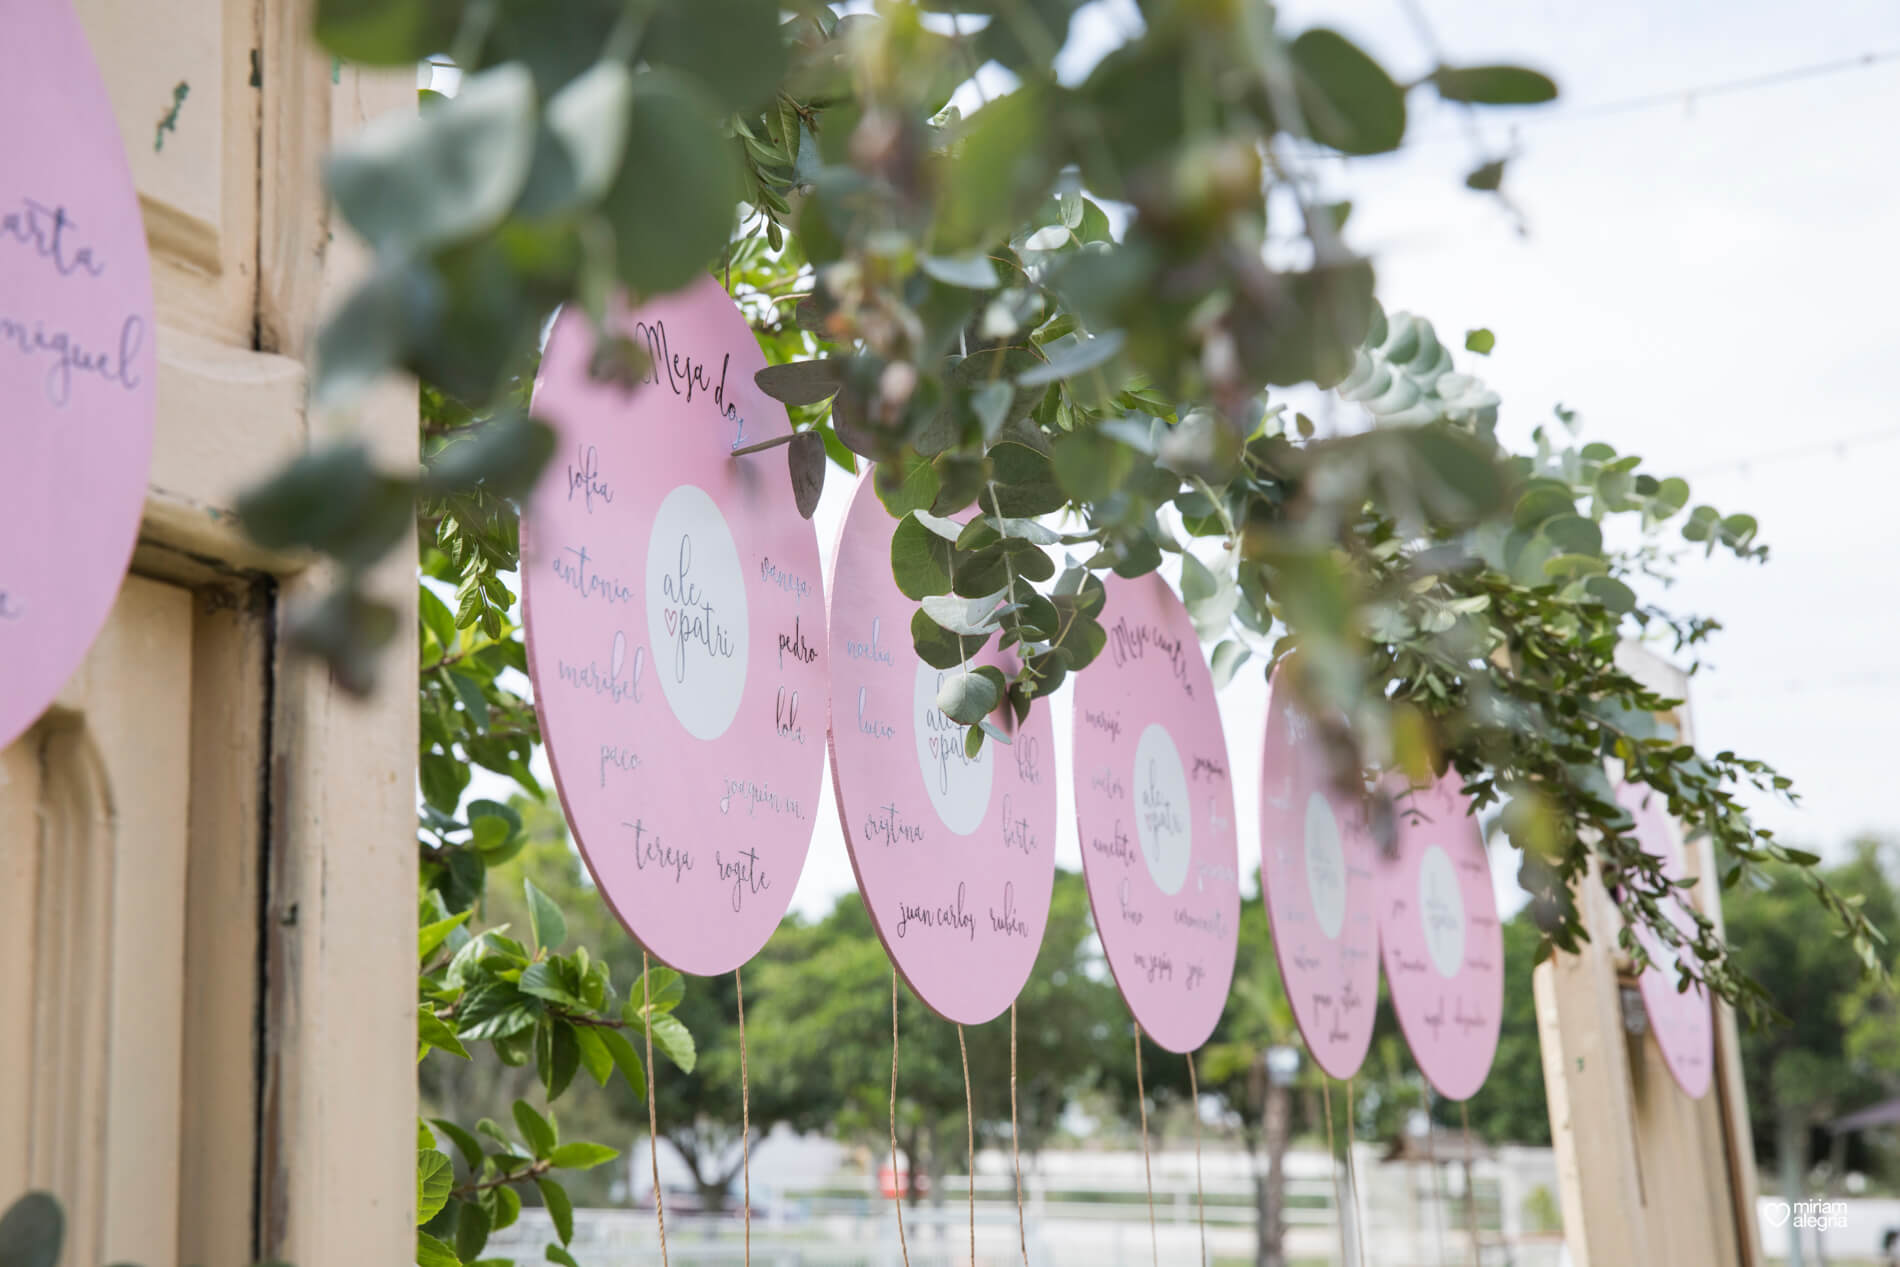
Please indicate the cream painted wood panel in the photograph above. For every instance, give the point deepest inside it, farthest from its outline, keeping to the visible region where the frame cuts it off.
(180, 78)
(97, 794)
(245, 1089)
(1647, 1174)
(230, 688)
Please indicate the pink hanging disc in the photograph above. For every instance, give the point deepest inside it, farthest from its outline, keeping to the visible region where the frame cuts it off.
(1316, 876)
(78, 363)
(1440, 938)
(955, 855)
(1682, 1020)
(675, 620)
(1154, 805)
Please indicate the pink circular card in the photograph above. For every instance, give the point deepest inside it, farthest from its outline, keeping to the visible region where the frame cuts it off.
(1683, 1021)
(1439, 936)
(1316, 866)
(955, 855)
(675, 619)
(77, 361)
(1154, 806)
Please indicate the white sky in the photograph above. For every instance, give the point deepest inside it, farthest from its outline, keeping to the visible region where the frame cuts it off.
(1709, 285)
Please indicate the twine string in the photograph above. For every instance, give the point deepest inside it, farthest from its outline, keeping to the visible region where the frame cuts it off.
(745, 1115)
(1438, 1180)
(1332, 1162)
(653, 1112)
(1015, 1154)
(1200, 1189)
(896, 1189)
(1471, 1186)
(969, 1128)
(1141, 1097)
(1352, 1177)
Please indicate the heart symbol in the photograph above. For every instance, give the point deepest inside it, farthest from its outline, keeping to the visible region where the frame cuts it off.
(672, 619)
(1778, 1212)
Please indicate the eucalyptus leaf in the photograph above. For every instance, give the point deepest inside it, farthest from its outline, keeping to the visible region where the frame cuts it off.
(1078, 356)
(1349, 101)
(805, 456)
(801, 382)
(732, 47)
(1494, 85)
(671, 204)
(1227, 659)
(967, 698)
(32, 1231)
(973, 270)
(964, 615)
(411, 182)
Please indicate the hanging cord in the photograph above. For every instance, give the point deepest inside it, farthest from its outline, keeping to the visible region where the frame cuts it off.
(1200, 1189)
(653, 1112)
(1332, 1161)
(895, 1189)
(1352, 1176)
(1015, 1153)
(1438, 1180)
(1471, 1182)
(745, 1115)
(1141, 1097)
(969, 1127)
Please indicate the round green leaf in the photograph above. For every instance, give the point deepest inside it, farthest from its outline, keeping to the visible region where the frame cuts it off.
(411, 182)
(671, 205)
(1573, 534)
(1349, 101)
(386, 32)
(1494, 85)
(1611, 592)
(968, 698)
(32, 1231)
(730, 46)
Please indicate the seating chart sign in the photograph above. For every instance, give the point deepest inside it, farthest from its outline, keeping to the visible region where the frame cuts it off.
(78, 369)
(1154, 803)
(675, 620)
(1440, 939)
(1682, 1020)
(1316, 875)
(955, 855)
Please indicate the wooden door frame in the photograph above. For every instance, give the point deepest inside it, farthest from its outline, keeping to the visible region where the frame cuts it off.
(301, 894)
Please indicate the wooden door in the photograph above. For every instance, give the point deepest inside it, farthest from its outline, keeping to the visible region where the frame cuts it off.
(207, 851)
(1647, 1174)
(94, 902)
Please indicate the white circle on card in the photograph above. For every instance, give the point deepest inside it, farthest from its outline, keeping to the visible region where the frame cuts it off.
(1325, 866)
(959, 786)
(696, 611)
(1441, 911)
(1163, 822)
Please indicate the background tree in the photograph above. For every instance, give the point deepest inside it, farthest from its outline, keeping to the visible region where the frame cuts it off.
(1836, 1051)
(1234, 1070)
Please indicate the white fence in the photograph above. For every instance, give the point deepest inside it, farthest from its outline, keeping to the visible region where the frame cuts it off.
(1092, 1210)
